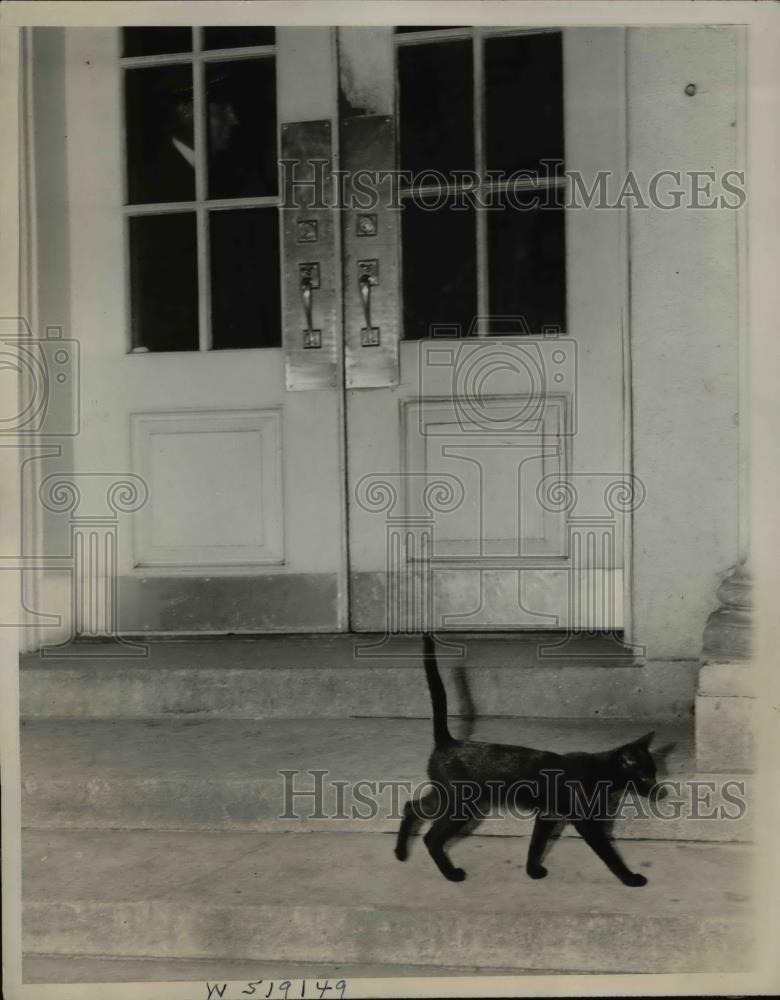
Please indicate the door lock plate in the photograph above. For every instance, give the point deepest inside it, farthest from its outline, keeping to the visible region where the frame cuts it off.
(368, 271)
(310, 273)
(369, 336)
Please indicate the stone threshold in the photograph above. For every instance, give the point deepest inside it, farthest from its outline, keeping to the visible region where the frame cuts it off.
(351, 675)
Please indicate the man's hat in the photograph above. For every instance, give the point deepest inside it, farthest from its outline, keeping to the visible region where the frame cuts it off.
(217, 87)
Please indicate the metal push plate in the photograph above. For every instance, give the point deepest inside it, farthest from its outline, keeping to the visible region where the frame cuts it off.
(308, 248)
(370, 237)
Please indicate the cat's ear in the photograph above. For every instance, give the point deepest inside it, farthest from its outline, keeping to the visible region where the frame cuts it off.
(628, 753)
(661, 752)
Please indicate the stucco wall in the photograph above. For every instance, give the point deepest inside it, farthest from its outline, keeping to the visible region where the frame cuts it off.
(49, 592)
(684, 334)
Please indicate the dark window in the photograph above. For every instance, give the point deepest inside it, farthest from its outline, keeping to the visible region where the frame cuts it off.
(164, 282)
(156, 41)
(242, 128)
(234, 117)
(502, 258)
(527, 267)
(245, 307)
(430, 27)
(159, 125)
(436, 107)
(439, 269)
(238, 37)
(523, 101)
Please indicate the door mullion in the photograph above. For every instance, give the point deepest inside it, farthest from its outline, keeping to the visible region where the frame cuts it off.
(199, 105)
(479, 164)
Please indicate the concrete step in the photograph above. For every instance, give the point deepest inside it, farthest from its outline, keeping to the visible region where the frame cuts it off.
(224, 774)
(343, 898)
(352, 675)
(102, 969)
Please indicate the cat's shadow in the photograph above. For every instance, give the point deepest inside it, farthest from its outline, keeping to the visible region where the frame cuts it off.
(467, 710)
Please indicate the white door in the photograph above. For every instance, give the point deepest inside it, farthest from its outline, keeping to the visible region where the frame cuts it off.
(485, 424)
(198, 385)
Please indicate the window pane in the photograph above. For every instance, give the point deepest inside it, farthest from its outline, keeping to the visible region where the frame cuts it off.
(242, 128)
(432, 27)
(155, 41)
(527, 267)
(160, 157)
(436, 107)
(523, 101)
(164, 282)
(236, 38)
(439, 269)
(245, 282)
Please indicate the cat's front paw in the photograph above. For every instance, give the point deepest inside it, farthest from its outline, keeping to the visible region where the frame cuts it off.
(402, 853)
(634, 879)
(536, 871)
(456, 875)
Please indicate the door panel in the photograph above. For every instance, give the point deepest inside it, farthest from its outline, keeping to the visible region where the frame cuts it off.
(234, 464)
(483, 484)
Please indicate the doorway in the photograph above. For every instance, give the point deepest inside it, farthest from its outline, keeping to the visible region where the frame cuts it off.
(403, 404)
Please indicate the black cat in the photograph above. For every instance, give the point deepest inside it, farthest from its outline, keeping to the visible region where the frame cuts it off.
(573, 787)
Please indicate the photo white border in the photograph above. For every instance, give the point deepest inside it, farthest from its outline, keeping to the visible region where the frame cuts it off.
(763, 22)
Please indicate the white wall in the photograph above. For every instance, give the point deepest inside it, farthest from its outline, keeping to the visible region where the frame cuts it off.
(48, 591)
(684, 335)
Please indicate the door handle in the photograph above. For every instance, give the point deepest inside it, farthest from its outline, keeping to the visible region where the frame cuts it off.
(365, 295)
(309, 280)
(368, 276)
(306, 297)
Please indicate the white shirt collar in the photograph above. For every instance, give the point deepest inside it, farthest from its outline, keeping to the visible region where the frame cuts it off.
(186, 152)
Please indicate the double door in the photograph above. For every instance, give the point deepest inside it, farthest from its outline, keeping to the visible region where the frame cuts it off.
(368, 356)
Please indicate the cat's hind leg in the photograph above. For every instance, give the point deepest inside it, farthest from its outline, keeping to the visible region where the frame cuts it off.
(416, 811)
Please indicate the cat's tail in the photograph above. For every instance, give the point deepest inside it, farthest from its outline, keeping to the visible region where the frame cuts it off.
(441, 734)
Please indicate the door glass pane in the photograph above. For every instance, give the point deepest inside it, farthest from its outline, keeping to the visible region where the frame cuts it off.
(160, 143)
(155, 41)
(241, 98)
(245, 281)
(238, 37)
(523, 101)
(436, 107)
(164, 282)
(405, 29)
(527, 267)
(439, 269)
